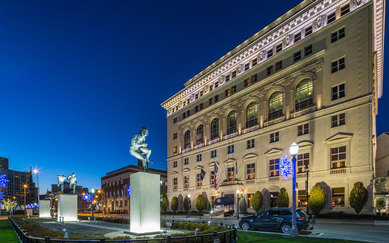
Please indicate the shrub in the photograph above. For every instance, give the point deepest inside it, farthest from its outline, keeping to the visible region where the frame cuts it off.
(164, 204)
(242, 206)
(317, 199)
(200, 203)
(257, 201)
(174, 204)
(358, 197)
(283, 198)
(187, 204)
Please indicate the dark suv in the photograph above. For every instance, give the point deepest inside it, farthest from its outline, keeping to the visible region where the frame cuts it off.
(275, 219)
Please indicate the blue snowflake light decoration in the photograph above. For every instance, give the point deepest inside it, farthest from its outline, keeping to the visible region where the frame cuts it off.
(2, 196)
(3, 180)
(286, 168)
(129, 190)
(1, 205)
(87, 197)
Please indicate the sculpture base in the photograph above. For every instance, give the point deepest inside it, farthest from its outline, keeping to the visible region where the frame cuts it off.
(44, 209)
(67, 208)
(145, 212)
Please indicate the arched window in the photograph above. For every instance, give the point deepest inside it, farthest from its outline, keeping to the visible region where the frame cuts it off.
(304, 94)
(187, 139)
(231, 122)
(215, 129)
(200, 134)
(252, 115)
(275, 105)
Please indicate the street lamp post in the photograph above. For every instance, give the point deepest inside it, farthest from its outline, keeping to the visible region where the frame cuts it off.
(294, 149)
(36, 172)
(25, 199)
(306, 186)
(189, 206)
(237, 204)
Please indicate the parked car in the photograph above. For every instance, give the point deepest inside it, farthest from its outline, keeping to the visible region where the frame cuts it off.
(275, 219)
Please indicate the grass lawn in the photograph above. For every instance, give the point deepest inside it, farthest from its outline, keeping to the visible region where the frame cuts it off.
(244, 236)
(7, 234)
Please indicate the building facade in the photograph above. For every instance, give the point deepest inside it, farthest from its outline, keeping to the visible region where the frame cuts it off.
(313, 76)
(382, 174)
(115, 188)
(15, 187)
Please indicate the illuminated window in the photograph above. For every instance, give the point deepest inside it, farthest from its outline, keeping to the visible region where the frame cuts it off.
(227, 92)
(252, 115)
(274, 167)
(215, 129)
(304, 94)
(199, 181)
(230, 174)
(275, 105)
(302, 198)
(212, 178)
(247, 82)
(254, 78)
(250, 197)
(338, 157)
(186, 182)
(187, 139)
(200, 134)
(210, 101)
(302, 162)
(278, 66)
(250, 171)
(231, 122)
(338, 197)
(175, 149)
(233, 89)
(269, 70)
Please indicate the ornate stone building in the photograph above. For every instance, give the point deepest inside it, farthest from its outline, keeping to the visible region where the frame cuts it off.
(313, 76)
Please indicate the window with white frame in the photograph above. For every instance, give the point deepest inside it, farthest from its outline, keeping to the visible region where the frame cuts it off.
(186, 181)
(338, 65)
(199, 157)
(303, 129)
(338, 156)
(212, 177)
(274, 167)
(174, 164)
(250, 171)
(338, 120)
(199, 181)
(230, 174)
(302, 162)
(338, 197)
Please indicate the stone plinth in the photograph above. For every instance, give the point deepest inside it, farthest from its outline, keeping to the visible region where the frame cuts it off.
(145, 203)
(44, 209)
(67, 207)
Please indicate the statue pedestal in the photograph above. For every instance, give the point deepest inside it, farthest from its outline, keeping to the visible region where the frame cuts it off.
(145, 213)
(67, 208)
(44, 209)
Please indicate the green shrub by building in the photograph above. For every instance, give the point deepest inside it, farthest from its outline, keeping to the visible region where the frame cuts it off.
(283, 198)
(358, 197)
(317, 199)
(200, 203)
(174, 204)
(257, 201)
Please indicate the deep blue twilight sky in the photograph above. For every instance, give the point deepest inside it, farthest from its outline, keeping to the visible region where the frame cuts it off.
(79, 78)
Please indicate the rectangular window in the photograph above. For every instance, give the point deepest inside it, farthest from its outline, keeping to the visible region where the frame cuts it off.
(212, 178)
(302, 129)
(338, 35)
(210, 87)
(186, 161)
(338, 65)
(338, 197)
(278, 48)
(188, 113)
(254, 62)
(345, 9)
(175, 135)
(308, 31)
(338, 120)
(184, 115)
(278, 66)
(174, 119)
(199, 157)
(233, 74)
(269, 53)
(174, 164)
(175, 183)
(308, 50)
(196, 96)
(250, 197)
(302, 198)
(297, 56)
(227, 78)
(254, 78)
(233, 89)
(201, 106)
(274, 137)
(201, 93)
(338, 92)
(210, 101)
(175, 149)
(196, 108)
(274, 167)
(250, 143)
(338, 157)
(297, 37)
(250, 171)
(302, 162)
(247, 66)
(186, 182)
(247, 82)
(227, 92)
(216, 98)
(199, 181)
(269, 70)
(216, 84)
(230, 149)
(213, 154)
(331, 18)
(230, 174)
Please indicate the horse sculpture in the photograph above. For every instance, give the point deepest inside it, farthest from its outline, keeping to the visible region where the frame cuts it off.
(72, 182)
(61, 181)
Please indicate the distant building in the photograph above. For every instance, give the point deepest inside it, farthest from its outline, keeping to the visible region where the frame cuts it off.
(382, 171)
(14, 188)
(115, 186)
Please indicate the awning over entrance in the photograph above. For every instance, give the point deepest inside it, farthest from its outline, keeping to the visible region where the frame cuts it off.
(228, 199)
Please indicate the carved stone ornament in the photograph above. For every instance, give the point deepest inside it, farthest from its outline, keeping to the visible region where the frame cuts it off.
(239, 68)
(357, 2)
(319, 22)
(287, 40)
(261, 55)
